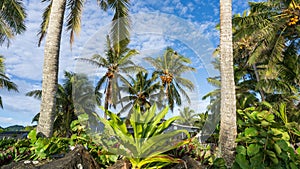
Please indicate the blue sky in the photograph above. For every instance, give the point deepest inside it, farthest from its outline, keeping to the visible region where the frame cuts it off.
(187, 26)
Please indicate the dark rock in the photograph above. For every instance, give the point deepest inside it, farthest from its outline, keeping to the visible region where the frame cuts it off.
(79, 158)
(189, 163)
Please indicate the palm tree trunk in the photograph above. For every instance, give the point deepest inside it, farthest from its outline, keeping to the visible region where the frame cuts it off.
(262, 94)
(108, 97)
(50, 68)
(228, 129)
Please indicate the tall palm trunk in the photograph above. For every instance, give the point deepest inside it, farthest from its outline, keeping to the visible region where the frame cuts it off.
(50, 68)
(228, 129)
(262, 94)
(108, 97)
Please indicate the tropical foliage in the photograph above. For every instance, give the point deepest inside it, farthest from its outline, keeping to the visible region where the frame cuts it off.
(263, 142)
(148, 141)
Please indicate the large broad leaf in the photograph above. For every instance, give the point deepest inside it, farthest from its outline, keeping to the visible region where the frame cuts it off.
(242, 161)
(241, 150)
(161, 143)
(251, 132)
(153, 130)
(257, 161)
(253, 149)
(283, 134)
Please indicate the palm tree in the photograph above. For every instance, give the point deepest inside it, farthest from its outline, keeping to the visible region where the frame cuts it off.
(53, 19)
(12, 18)
(265, 45)
(73, 98)
(142, 92)
(170, 67)
(4, 80)
(228, 128)
(187, 116)
(50, 68)
(116, 62)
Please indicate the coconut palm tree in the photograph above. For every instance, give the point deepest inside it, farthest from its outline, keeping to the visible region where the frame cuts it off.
(265, 45)
(228, 128)
(116, 62)
(261, 37)
(170, 67)
(73, 98)
(4, 80)
(187, 116)
(53, 19)
(142, 92)
(12, 18)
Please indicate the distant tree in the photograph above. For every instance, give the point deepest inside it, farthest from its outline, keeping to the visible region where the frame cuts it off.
(75, 96)
(141, 92)
(170, 67)
(187, 116)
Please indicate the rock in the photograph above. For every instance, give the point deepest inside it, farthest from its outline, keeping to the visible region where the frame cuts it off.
(189, 163)
(79, 158)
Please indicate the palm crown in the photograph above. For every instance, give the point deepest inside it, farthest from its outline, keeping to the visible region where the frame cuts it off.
(170, 67)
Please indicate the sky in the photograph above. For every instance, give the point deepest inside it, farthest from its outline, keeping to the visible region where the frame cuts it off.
(188, 26)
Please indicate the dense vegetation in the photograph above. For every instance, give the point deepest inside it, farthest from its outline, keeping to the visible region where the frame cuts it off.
(266, 76)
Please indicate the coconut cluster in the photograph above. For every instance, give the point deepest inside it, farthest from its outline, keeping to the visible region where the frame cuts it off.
(110, 75)
(293, 20)
(167, 78)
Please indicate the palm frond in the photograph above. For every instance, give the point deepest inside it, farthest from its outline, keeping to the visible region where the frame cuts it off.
(120, 23)
(185, 82)
(35, 93)
(45, 22)
(92, 62)
(12, 18)
(74, 17)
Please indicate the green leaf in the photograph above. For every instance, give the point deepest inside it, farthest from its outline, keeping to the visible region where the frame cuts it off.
(298, 150)
(293, 165)
(219, 163)
(251, 131)
(32, 136)
(283, 134)
(83, 117)
(277, 148)
(253, 149)
(242, 161)
(241, 150)
(270, 117)
(272, 156)
(264, 123)
(257, 161)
